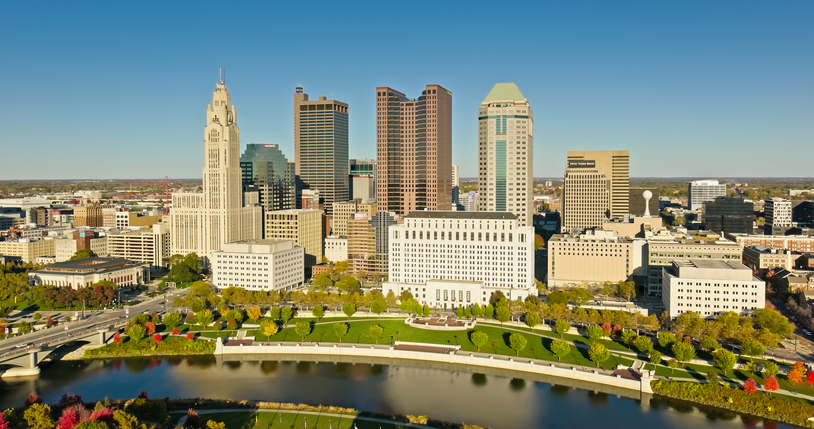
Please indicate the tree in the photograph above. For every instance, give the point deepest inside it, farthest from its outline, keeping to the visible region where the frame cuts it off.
(426, 310)
(517, 342)
(302, 328)
(171, 320)
(770, 384)
(205, 317)
(810, 377)
(684, 352)
(376, 332)
(341, 330)
(211, 424)
(773, 321)
(678, 221)
(489, 311)
(627, 290)
(254, 313)
(341, 266)
(117, 338)
(643, 343)
(192, 261)
(666, 338)
(532, 319)
(479, 338)
(349, 308)
(598, 353)
(560, 348)
(378, 306)
(562, 327)
(477, 310)
(770, 369)
(628, 337)
(690, 323)
(157, 338)
(750, 386)
(286, 314)
(83, 254)
(274, 313)
(503, 314)
(136, 332)
(175, 331)
(725, 360)
(150, 326)
(713, 377)
(557, 297)
(655, 357)
(594, 332)
(709, 344)
(38, 416)
(752, 348)
(269, 328)
(796, 373)
(579, 296)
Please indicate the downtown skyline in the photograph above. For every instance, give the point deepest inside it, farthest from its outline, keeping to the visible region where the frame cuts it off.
(691, 90)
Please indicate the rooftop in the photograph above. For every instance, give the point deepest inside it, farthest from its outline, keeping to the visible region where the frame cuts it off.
(431, 214)
(88, 265)
(711, 264)
(504, 91)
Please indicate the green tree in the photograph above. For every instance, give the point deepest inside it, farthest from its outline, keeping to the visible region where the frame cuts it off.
(713, 377)
(83, 254)
(679, 221)
(125, 421)
(378, 306)
(318, 311)
(752, 348)
(286, 314)
(477, 310)
(479, 338)
(517, 342)
(274, 313)
(192, 261)
(594, 332)
(557, 297)
(254, 313)
(24, 328)
(302, 328)
(459, 312)
(725, 360)
(171, 320)
(690, 323)
(560, 348)
(532, 319)
(684, 352)
(489, 311)
(136, 332)
(627, 290)
(773, 321)
(205, 317)
(349, 308)
(770, 369)
(655, 357)
(322, 281)
(341, 330)
(38, 416)
(341, 266)
(503, 314)
(666, 338)
(709, 344)
(426, 310)
(376, 332)
(628, 337)
(562, 327)
(598, 353)
(644, 344)
(269, 328)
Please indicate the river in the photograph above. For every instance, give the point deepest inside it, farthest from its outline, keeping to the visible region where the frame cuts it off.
(461, 394)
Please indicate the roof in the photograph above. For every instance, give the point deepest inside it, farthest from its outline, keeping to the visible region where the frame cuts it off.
(504, 91)
(432, 214)
(88, 265)
(710, 263)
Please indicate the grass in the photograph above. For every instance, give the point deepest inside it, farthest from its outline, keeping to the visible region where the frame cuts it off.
(168, 346)
(287, 419)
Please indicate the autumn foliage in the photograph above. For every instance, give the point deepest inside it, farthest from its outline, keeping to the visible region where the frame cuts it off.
(117, 339)
(150, 328)
(749, 386)
(175, 331)
(157, 338)
(190, 336)
(810, 377)
(770, 384)
(796, 373)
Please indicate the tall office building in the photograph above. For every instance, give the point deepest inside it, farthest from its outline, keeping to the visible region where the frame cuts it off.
(267, 171)
(413, 150)
(321, 146)
(727, 214)
(222, 213)
(777, 213)
(596, 188)
(701, 191)
(505, 152)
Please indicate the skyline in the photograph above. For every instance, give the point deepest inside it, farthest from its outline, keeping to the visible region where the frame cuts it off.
(703, 90)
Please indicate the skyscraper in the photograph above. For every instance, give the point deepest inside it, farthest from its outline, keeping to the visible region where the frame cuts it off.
(413, 150)
(321, 146)
(505, 152)
(729, 215)
(701, 191)
(596, 188)
(222, 213)
(266, 170)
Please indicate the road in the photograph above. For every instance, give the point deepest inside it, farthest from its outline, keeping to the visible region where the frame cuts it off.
(97, 319)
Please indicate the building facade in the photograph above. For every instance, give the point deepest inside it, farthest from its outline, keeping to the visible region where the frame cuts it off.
(336, 248)
(150, 246)
(729, 214)
(303, 227)
(794, 243)
(777, 213)
(88, 216)
(591, 258)
(222, 213)
(362, 179)
(661, 254)
(265, 170)
(596, 188)
(761, 259)
(413, 150)
(28, 249)
(711, 288)
(701, 191)
(259, 265)
(506, 153)
(487, 250)
(321, 147)
(83, 273)
(344, 211)
(368, 242)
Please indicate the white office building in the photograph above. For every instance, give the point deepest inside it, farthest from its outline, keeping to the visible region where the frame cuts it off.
(336, 248)
(701, 191)
(447, 259)
(778, 212)
(259, 265)
(711, 287)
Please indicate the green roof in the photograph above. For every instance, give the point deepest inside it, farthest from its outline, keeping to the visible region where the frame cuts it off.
(503, 92)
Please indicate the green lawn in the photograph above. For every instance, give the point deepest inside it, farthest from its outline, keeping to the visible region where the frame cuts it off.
(290, 419)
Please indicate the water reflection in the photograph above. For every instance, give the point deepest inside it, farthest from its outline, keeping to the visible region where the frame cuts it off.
(479, 379)
(268, 367)
(598, 398)
(558, 390)
(517, 384)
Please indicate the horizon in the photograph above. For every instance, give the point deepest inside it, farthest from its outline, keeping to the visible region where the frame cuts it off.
(694, 89)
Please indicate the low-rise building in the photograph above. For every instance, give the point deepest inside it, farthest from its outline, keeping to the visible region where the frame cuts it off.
(761, 259)
(259, 265)
(661, 253)
(85, 272)
(151, 246)
(795, 243)
(336, 248)
(711, 287)
(28, 249)
(343, 211)
(488, 251)
(591, 258)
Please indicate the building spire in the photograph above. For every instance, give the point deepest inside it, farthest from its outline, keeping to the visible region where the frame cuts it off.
(222, 76)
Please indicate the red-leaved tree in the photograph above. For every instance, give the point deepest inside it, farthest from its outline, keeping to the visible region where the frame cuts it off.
(69, 419)
(157, 337)
(606, 328)
(190, 336)
(175, 331)
(117, 339)
(143, 395)
(810, 377)
(770, 384)
(150, 328)
(4, 424)
(102, 415)
(749, 386)
(32, 399)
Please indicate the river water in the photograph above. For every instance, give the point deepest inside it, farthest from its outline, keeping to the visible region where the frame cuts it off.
(461, 394)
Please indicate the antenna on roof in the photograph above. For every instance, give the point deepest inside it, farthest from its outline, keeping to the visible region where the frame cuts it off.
(222, 76)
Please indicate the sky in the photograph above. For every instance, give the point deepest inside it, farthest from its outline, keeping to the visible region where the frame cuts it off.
(118, 90)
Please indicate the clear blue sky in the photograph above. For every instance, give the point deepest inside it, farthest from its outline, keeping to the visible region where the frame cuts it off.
(114, 89)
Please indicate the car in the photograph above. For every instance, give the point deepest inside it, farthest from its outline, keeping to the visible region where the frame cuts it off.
(21, 345)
